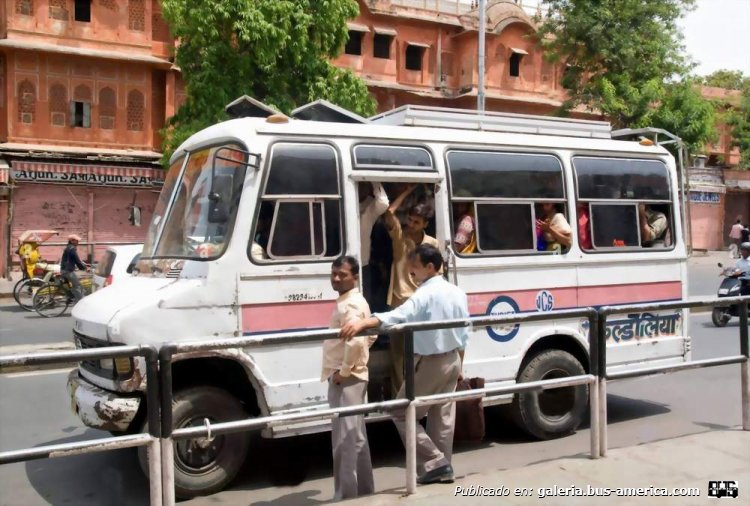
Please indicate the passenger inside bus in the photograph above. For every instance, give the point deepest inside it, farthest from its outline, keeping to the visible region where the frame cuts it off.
(553, 230)
(465, 239)
(259, 244)
(373, 202)
(584, 226)
(654, 226)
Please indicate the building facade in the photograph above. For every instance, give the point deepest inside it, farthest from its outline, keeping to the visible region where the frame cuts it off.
(85, 87)
(425, 52)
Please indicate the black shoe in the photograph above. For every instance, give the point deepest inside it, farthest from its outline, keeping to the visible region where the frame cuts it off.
(442, 474)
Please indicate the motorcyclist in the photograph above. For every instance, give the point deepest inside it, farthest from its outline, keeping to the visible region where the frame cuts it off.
(742, 267)
(68, 264)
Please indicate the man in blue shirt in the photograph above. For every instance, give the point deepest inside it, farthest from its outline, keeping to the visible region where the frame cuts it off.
(438, 355)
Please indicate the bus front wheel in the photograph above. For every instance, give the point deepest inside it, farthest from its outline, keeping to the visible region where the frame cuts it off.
(556, 412)
(204, 467)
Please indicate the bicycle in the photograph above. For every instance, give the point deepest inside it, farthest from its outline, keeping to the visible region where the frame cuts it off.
(24, 290)
(54, 297)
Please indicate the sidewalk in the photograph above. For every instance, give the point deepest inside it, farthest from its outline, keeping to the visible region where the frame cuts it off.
(6, 286)
(690, 462)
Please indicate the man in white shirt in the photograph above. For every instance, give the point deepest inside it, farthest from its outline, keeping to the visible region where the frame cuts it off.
(438, 356)
(373, 202)
(345, 369)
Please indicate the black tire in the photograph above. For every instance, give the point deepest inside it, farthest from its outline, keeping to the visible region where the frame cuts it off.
(551, 413)
(200, 471)
(51, 300)
(24, 292)
(719, 317)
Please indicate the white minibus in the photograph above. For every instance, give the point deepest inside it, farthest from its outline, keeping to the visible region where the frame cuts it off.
(291, 189)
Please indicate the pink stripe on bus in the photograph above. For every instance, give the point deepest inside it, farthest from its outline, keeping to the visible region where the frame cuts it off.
(286, 315)
(316, 314)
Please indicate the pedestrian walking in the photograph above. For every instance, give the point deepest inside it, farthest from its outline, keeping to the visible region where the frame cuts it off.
(438, 357)
(345, 370)
(735, 237)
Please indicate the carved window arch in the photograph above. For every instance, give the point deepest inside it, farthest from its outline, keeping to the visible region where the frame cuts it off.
(26, 102)
(107, 108)
(25, 7)
(58, 9)
(58, 105)
(82, 93)
(136, 108)
(137, 15)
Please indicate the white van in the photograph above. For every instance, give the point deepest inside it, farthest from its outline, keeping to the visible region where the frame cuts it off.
(292, 187)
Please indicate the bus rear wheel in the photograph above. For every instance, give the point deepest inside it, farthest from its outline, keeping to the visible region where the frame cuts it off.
(551, 413)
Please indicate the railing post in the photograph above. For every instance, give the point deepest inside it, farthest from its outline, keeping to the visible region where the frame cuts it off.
(167, 446)
(154, 426)
(602, 352)
(411, 415)
(745, 367)
(594, 387)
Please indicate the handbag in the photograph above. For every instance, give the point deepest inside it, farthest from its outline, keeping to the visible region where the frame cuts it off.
(469, 413)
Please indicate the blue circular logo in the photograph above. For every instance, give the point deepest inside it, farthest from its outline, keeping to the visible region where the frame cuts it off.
(503, 305)
(544, 301)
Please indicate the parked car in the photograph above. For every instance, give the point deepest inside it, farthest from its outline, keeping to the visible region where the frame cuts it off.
(118, 261)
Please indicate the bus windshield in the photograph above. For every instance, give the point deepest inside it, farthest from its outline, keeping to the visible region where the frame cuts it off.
(204, 206)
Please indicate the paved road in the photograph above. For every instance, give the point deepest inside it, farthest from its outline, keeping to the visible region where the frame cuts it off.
(298, 471)
(27, 327)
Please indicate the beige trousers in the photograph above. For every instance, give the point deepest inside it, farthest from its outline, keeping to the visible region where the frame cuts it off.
(434, 374)
(396, 351)
(352, 467)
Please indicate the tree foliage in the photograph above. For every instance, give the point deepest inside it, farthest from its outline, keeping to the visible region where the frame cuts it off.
(727, 79)
(277, 51)
(625, 59)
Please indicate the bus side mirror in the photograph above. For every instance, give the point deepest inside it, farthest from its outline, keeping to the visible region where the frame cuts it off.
(221, 194)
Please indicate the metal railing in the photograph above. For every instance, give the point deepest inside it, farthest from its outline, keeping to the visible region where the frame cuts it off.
(161, 436)
(409, 404)
(150, 439)
(742, 358)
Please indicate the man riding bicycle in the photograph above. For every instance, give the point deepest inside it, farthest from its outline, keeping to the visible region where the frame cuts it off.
(68, 264)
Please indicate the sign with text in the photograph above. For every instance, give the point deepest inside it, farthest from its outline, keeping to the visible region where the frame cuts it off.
(88, 175)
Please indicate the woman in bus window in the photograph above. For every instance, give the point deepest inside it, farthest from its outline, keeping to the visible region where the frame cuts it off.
(465, 239)
(555, 231)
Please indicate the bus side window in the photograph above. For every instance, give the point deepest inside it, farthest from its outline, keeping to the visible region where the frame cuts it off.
(499, 200)
(300, 210)
(623, 203)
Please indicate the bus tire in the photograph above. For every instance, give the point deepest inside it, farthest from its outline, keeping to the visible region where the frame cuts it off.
(205, 470)
(552, 413)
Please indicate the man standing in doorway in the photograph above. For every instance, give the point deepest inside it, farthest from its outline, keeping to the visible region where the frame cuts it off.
(402, 286)
(373, 202)
(68, 264)
(345, 369)
(438, 358)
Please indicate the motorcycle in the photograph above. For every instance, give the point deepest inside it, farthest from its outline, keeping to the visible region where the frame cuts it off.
(732, 285)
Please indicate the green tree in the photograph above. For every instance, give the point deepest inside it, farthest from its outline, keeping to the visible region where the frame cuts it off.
(727, 79)
(277, 51)
(625, 59)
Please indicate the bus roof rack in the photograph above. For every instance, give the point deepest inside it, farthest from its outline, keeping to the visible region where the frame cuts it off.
(323, 110)
(248, 107)
(468, 119)
(652, 133)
